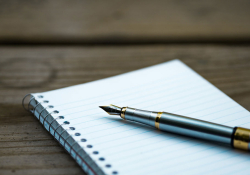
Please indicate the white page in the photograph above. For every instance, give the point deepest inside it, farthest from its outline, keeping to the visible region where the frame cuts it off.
(132, 148)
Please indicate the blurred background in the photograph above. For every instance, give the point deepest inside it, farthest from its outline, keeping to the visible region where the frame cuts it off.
(46, 45)
(123, 22)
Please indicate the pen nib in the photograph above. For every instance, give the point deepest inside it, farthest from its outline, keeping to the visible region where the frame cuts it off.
(112, 109)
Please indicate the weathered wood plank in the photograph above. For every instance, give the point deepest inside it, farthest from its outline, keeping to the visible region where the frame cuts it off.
(26, 69)
(27, 148)
(123, 21)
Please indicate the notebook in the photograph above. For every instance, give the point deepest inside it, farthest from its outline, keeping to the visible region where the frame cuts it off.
(104, 144)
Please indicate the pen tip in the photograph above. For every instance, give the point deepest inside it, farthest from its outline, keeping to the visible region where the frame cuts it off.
(103, 107)
(112, 109)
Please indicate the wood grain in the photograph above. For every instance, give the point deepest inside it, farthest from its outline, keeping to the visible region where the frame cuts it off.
(112, 21)
(27, 148)
(34, 69)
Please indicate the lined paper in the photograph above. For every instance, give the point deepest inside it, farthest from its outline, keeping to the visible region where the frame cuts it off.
(133, 148)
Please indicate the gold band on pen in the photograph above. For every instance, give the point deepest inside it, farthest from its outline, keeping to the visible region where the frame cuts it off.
(242, 138)
(157, 120)
(123, 112)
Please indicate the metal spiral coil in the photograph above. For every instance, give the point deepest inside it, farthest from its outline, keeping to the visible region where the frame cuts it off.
(60, 135)
(28, 108)
(65, 140)
(24, 100)
(44, 119)
(71, 146)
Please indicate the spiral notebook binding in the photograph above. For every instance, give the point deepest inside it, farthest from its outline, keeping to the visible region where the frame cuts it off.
(65, 140)
(33, 111)
(39, 103)
(44, 119)
(60, 135)
(53, 112)
(64, 130)
(39, 116)
(71, 146)
(54, 135)
(54, 120)
(28, 103)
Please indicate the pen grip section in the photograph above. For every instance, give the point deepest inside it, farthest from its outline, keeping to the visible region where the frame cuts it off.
(141, 116)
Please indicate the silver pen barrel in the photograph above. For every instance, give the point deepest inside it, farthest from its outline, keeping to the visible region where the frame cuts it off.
(236, 137)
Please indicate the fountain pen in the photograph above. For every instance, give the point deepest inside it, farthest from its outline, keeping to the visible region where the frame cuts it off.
(237, 137)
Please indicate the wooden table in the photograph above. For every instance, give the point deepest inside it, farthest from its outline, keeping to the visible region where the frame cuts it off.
(49, 56)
